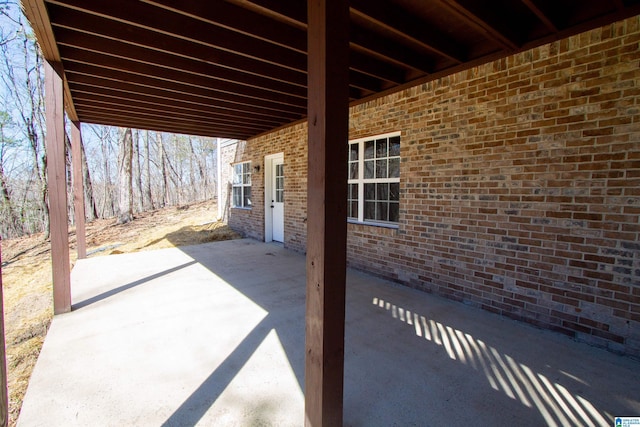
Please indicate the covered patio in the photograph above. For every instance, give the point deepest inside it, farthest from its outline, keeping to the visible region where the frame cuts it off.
(240, 69)
(214, 335)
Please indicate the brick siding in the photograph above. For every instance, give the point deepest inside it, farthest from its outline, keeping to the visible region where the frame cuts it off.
(520, 187)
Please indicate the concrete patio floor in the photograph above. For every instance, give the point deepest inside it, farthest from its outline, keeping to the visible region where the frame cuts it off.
(214, 335)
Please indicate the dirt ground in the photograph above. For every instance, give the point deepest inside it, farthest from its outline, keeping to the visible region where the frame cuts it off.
(26, 275)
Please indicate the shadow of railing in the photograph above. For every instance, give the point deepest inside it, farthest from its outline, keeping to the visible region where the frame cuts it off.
(556, 403)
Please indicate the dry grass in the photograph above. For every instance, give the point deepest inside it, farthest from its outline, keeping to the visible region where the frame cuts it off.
(26, 276)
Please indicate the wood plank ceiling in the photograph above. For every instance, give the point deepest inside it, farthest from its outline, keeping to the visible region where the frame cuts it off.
(237, 68)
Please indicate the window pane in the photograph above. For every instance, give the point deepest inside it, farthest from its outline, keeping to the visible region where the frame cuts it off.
(394, 146)
(247, 197)
(246, 167)
(369, 191)
(237, 174)
(382, 211)
(246, 178)
(394, 212)
(394, 168)
(394, 191)
(353, 209)
(369, 166)
(237, 197)
(382, 191)
(353, 151)
(381, 148)
(381, 168)
(353, 170)
(280, 196)
(369, 210)
(353, 191)
(368, 149)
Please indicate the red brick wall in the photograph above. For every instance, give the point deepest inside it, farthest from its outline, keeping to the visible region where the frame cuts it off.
(520, 187)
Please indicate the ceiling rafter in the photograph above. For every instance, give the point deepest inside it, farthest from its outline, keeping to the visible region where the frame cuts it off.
(168, 110)
(239, 19)
(143, 87)
(165, 126)
(118, 31)
(389, 50)
(145, 115)
(145, 55)
(394, 20)
(541, 15)
(166, 101)
(480, 24)
(174, 25)
(200, 84)
(237, 68)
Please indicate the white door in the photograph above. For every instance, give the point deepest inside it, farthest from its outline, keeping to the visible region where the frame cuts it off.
(274, 217)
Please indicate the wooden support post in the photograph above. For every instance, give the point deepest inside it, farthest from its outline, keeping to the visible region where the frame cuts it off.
(4, 392)
(57, 185)
(328, 116)
(78, 189)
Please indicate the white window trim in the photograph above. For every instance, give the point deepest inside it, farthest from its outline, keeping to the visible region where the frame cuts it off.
(241, 185)
(361, 179)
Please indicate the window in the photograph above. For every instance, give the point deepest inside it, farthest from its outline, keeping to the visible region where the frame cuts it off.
(242, 185)
(374, 179)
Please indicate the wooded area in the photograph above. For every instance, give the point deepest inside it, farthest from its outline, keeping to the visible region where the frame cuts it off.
(125, 170)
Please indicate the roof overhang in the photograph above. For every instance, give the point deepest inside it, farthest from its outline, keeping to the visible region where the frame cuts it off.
(238, 68)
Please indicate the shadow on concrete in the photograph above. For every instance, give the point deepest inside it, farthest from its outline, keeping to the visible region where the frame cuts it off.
(123, 288)
(282, 297)
(221, 342)
(415, 359)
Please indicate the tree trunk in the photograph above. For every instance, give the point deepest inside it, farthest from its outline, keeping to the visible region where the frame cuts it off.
(147, 172)
(138, 172)
(125, 163)
(165, 183)
(88, 187)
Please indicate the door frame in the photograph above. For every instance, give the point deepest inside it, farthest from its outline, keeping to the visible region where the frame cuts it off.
(269, 171)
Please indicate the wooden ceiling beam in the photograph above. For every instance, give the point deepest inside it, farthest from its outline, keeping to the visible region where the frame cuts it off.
(389, 50)
(146, 55)
(103, 27)
(392, 19)
(533, 7)
(480, 24)
(168, 127)
(132, 117)
(166, 22)
(98, 103)
(236, 18)
(87, 82)
(76, 58)
(293, 13)
(166, 100)
(147, 116)
(366, 64)
(143, 84)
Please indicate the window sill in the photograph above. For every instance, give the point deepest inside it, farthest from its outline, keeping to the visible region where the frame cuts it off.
(240, 208)
(374, 224)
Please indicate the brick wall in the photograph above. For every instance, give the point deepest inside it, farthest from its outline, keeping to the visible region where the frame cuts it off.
(292, 141)
(520, 187)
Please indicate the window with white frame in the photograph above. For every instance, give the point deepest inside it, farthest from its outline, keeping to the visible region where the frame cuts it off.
(242, 185)
(374, 179)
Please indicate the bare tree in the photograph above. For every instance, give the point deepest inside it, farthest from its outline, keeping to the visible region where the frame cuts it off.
(148, 199)
(22, 79)
(125, 190)
(92, 212)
